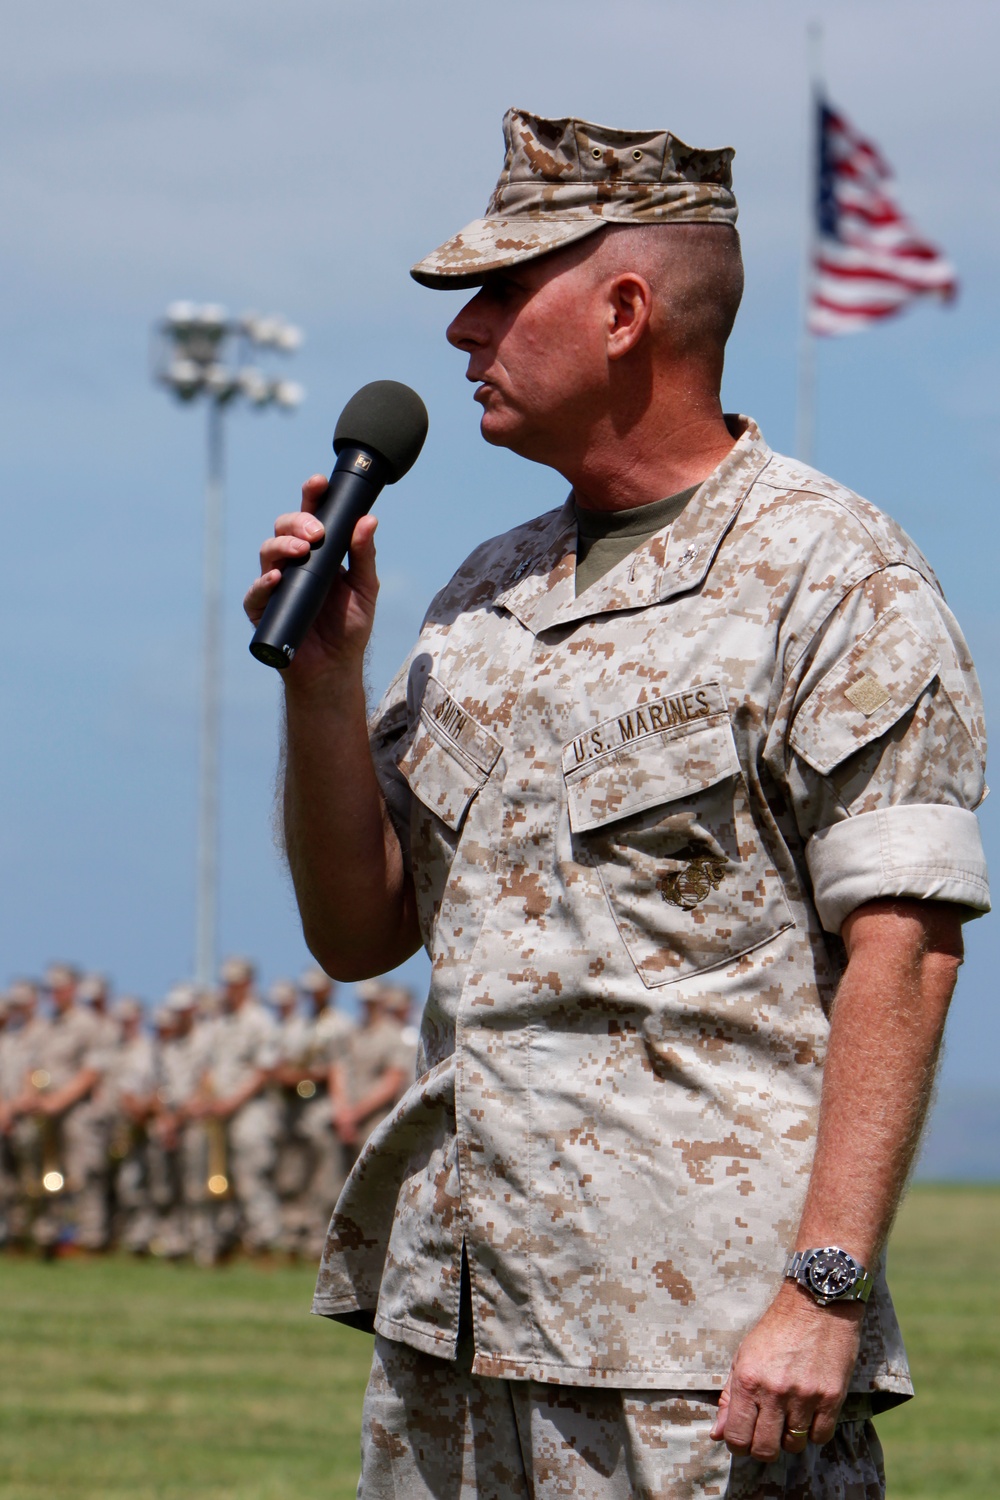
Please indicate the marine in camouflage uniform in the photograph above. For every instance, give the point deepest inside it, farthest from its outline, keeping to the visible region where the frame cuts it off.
(238, 1097)
(649, 822)
(312, 1046)
(70, 1147)
(129, 1086)
(182, 1205)
(375, 1069)
(10, 1087)
(17, 1096)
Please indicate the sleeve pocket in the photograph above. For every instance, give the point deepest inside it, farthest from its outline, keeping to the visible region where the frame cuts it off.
(864, 694)
(448, 757)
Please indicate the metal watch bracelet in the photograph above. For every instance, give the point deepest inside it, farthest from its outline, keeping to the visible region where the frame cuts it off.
(829, 1275)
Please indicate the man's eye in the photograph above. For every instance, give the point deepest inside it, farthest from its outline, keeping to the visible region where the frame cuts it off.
(506, 288)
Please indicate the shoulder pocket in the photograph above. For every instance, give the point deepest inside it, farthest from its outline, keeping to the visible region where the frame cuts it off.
(864, 694)
(664, 818)
(448, 757)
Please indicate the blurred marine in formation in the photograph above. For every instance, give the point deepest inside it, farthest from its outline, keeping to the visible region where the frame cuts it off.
(375, 1067)
(220, 1125)
(311, 1153)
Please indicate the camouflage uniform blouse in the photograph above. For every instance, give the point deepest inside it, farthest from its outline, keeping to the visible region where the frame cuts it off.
(635, 822)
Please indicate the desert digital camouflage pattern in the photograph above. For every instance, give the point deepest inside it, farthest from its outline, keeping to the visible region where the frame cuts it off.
(423, 1438)
(564, 179)
(635, 820)
(245, 1043)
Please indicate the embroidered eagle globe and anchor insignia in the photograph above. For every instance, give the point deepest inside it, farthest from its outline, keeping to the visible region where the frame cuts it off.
(689, 887)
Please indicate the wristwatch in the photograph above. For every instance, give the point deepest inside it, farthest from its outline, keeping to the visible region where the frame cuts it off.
(830, 1275)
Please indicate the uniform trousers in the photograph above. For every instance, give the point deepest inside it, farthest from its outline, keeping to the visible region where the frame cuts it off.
(433, 1431)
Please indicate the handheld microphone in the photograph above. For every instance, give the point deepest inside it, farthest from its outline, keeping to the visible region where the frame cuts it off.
(377, 440)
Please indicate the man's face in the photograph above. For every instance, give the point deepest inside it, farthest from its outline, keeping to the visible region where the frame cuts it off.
(62, 996)
(535, 336)
(233, 995)
(317, 1000)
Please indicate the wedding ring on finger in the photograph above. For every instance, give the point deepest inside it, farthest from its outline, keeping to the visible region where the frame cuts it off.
(797, 1432)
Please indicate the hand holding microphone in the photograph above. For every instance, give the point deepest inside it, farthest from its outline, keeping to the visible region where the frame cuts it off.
(377, 440)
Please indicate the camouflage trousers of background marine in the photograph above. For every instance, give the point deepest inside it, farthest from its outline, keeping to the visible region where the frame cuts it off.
(433, 1431)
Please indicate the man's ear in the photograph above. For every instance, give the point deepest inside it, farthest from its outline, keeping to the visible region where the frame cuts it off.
(629, 309)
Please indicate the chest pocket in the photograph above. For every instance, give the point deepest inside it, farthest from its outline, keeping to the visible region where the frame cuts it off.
(663, 817)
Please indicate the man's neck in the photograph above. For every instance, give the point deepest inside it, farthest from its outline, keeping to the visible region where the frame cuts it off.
(651, 460)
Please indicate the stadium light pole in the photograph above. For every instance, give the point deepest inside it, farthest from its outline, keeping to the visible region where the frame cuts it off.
(200, 352)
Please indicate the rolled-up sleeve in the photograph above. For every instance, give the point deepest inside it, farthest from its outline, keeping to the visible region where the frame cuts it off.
(922, 851)
(887, 754)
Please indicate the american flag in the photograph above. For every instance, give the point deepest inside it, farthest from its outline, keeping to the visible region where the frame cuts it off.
(868, 259)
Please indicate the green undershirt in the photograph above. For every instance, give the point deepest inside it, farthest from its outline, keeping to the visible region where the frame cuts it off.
(604, 538)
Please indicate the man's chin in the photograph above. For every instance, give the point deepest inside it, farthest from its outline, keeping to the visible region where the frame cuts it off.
(494, 436)
(497, 432)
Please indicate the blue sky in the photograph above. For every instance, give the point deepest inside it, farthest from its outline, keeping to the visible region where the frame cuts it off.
(299, 158)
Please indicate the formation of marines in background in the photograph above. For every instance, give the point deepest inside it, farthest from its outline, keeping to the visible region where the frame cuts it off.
(216, 1124)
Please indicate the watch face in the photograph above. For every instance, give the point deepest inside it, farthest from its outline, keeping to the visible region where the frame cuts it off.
(831, 1273)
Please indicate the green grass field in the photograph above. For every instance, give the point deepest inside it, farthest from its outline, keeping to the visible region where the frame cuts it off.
(124, 1381)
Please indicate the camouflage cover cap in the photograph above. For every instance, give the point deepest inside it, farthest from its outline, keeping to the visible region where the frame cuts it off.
(314, 980)
(57, 976)
(370, 991)
(237, 970)
(282, 992)
(564, 179)
(92, 987)
(181, 997)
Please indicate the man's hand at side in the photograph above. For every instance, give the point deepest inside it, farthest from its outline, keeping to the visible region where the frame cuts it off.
(789, 1377)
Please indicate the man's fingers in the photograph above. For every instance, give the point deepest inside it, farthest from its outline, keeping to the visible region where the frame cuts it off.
(298, 524)
(361, 556)
(313, 491)
(295, 534)
(824, 1422)
(719, 1425)
(256, 597)
(740, 1421)
(769, 1430)
(798, 1425)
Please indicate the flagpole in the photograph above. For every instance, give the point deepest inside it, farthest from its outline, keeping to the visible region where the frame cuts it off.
(806, 395)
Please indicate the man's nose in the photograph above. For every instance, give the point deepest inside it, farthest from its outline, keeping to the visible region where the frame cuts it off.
(467, 331)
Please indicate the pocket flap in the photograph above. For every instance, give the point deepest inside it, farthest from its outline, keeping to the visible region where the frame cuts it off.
(643, 769)
(448, 757)
(864, 694)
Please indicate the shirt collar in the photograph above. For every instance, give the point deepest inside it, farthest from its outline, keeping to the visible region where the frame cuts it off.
(541, 594)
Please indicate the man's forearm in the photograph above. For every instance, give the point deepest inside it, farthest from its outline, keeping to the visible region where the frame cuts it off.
(792, 1371)
(885, 1035)
(79, 1087)
(387, 1090)
(355, 898)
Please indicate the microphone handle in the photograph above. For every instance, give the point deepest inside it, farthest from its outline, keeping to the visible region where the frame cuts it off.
(355, 484)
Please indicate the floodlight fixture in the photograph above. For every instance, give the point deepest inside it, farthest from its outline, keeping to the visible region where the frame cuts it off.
(200, 351)
(288, 393)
